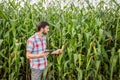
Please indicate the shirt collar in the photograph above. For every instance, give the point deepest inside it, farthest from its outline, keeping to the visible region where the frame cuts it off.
(37, 36)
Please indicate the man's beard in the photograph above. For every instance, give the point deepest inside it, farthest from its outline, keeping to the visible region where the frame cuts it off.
(44, 33)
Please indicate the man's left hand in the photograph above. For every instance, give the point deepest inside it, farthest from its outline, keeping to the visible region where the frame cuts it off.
(57, 51)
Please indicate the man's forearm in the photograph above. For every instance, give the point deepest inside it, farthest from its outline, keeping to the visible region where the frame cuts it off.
(34, 56)
(54, 52)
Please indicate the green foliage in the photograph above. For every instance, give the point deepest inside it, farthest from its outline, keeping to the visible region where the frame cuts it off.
(91, 38)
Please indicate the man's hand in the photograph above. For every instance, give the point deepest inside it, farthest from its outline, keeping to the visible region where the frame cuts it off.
(57, 51)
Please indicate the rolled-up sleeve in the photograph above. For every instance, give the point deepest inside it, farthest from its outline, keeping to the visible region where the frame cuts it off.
(30, 45)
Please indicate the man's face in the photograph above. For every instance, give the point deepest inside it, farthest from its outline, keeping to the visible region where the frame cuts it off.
(45, 30)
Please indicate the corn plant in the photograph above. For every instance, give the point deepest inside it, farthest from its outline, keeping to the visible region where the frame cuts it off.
(90, 36)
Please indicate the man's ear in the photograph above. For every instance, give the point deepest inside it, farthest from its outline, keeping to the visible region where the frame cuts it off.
(42, 29)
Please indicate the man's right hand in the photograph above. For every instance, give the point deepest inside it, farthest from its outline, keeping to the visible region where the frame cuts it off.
(46, 53)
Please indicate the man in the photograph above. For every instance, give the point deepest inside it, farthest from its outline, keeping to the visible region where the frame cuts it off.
(36, 51)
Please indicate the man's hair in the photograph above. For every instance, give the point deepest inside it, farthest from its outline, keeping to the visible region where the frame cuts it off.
(42, 24)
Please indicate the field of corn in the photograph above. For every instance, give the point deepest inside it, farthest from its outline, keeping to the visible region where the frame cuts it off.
(91, 36)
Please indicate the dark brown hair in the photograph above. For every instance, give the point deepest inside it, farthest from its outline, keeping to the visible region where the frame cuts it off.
(42, 24)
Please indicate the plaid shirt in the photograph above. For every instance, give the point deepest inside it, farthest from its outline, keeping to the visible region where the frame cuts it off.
(36, 45)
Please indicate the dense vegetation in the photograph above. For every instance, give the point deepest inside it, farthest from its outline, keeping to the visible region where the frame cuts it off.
(91, 37)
